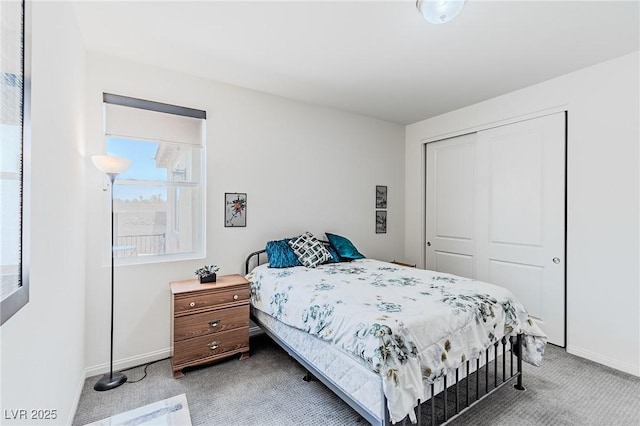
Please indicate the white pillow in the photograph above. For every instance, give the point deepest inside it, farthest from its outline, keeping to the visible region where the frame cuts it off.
(309, 250)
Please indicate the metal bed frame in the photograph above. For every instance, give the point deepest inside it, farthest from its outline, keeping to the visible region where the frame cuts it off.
(455, 399)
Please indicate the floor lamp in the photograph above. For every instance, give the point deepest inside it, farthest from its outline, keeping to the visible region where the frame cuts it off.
(111, 166)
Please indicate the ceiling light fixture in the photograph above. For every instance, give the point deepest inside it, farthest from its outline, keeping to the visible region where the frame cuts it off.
(439, 11)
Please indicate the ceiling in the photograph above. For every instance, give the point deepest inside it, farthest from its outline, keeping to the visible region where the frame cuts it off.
(376, 58)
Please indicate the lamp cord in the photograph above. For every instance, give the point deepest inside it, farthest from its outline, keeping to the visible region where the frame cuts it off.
(145, 370)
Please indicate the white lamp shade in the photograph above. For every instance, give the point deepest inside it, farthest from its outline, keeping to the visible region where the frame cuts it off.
(439, 11)
(111, 165)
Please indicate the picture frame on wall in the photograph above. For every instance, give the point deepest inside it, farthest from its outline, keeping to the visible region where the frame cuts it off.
(381, 222)
(235, 209)
(381, 197)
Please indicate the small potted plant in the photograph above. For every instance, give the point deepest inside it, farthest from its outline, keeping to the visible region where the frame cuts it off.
(207, 274)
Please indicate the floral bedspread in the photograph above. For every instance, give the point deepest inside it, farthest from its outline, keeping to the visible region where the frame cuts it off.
(406, 324)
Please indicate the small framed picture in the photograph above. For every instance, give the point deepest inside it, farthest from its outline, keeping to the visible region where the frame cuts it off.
(235, 209)
(381, 197)
(381, 222)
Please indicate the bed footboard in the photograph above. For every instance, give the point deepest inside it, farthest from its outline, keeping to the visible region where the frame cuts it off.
(472, 382)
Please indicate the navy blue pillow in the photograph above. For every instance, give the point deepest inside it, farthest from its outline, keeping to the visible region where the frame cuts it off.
(280, 255)
(335, 257)
(345, 248)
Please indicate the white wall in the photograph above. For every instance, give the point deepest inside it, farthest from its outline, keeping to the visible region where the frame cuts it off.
(43, 344)
(303, 167)
(603, 300)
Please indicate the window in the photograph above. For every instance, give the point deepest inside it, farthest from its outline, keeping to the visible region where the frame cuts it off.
(159, 202)
(14, 158)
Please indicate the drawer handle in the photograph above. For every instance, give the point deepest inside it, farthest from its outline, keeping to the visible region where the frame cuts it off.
(235, 297)
(192, 304)
(214, 323)
(213, 345)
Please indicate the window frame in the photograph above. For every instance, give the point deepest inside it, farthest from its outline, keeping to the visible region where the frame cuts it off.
(199, 252)
(14, 301)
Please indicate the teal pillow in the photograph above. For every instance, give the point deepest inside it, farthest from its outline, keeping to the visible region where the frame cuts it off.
(345, 248)
(280, 255)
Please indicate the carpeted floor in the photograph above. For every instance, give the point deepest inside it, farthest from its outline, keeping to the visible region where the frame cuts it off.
(267, 389)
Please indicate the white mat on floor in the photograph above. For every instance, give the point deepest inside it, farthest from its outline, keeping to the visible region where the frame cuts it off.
(168, 412)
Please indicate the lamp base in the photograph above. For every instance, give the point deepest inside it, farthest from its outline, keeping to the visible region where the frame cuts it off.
(110, 381)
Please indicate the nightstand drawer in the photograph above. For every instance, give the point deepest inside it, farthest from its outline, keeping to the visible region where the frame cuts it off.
(189, 302)
(209, 322)
(212, 345)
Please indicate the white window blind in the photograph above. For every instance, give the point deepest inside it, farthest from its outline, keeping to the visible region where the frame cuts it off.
(152, 125)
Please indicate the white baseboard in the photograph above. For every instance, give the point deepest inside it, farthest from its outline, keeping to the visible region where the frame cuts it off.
(609, 362)
(128, 362)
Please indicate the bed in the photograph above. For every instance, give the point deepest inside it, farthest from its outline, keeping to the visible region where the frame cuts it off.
(394, 342)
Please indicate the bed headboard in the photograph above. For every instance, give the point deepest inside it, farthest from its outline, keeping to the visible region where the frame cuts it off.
(254, 258)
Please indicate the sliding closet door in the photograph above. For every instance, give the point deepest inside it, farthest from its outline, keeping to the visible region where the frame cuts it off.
(520, 245)
(450, 205)
(495, 212)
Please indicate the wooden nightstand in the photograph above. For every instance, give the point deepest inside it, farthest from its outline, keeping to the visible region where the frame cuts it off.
(209, 321)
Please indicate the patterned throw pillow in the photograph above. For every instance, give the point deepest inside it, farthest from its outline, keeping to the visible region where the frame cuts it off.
(309, 250)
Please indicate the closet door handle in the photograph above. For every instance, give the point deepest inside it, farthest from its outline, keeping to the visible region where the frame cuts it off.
(556, 260)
